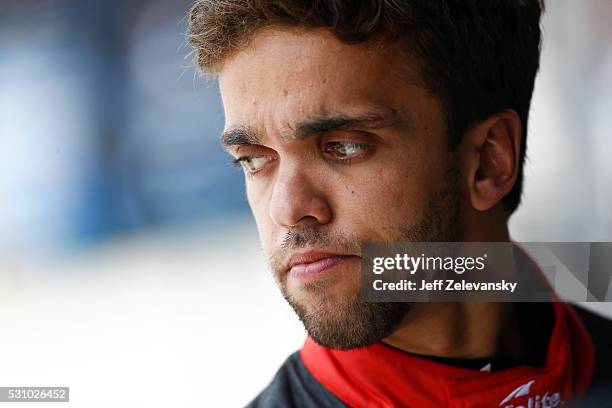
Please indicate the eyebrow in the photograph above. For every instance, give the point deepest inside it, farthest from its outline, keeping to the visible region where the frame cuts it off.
(326, 124)
(239, 136)
(243, 135)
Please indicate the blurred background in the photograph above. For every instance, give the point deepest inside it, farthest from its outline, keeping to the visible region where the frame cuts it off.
(130, 268)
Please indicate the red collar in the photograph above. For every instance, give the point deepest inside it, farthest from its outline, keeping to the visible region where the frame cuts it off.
(382, 376)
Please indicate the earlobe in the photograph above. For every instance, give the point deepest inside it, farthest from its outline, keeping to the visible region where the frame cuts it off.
(493, 162)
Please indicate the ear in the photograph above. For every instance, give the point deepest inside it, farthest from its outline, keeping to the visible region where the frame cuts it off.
(489, 155)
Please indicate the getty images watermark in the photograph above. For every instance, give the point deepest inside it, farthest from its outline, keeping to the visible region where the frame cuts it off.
(486, 271)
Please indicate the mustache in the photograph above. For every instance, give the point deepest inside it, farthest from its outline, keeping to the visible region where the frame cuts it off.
(303, 236)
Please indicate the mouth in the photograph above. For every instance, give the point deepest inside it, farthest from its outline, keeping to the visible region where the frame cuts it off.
(307, 265)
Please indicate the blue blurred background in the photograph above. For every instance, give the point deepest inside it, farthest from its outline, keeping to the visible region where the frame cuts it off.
(121, 219)
(105, 127)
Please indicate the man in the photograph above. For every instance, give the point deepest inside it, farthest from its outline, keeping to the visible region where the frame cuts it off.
(382, 121)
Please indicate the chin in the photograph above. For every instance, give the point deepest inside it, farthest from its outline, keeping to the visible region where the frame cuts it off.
(342, 320)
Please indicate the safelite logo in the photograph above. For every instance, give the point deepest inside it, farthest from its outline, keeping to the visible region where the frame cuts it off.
(521, 396)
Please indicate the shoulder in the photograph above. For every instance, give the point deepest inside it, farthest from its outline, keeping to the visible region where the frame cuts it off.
(294, 386)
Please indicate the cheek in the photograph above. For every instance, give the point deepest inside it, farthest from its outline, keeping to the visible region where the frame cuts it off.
(258, 202)
(389, 199)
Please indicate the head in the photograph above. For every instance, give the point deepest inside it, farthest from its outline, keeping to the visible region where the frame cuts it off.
(369, 121)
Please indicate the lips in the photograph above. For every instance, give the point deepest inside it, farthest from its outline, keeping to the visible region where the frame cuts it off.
(312, 264)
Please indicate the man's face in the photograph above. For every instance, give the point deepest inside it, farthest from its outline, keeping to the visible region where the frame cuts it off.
(341, 145)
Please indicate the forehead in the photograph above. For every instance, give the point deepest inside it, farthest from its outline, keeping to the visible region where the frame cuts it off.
(308, 72)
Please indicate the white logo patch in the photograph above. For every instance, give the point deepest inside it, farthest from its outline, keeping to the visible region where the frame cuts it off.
(548, 400)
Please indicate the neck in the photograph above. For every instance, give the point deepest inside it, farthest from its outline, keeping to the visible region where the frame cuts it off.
(462, 329)
(458, 330)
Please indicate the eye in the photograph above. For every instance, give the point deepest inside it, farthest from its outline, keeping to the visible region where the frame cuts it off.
(252, 164)
(345, 150)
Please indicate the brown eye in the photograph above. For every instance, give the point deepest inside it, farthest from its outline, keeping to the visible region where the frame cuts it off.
(252, 164)
(345, 150)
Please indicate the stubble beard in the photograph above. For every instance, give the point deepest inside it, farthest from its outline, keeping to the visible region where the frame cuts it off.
(347, 322)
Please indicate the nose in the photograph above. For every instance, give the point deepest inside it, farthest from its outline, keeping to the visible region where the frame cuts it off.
(298, 195)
